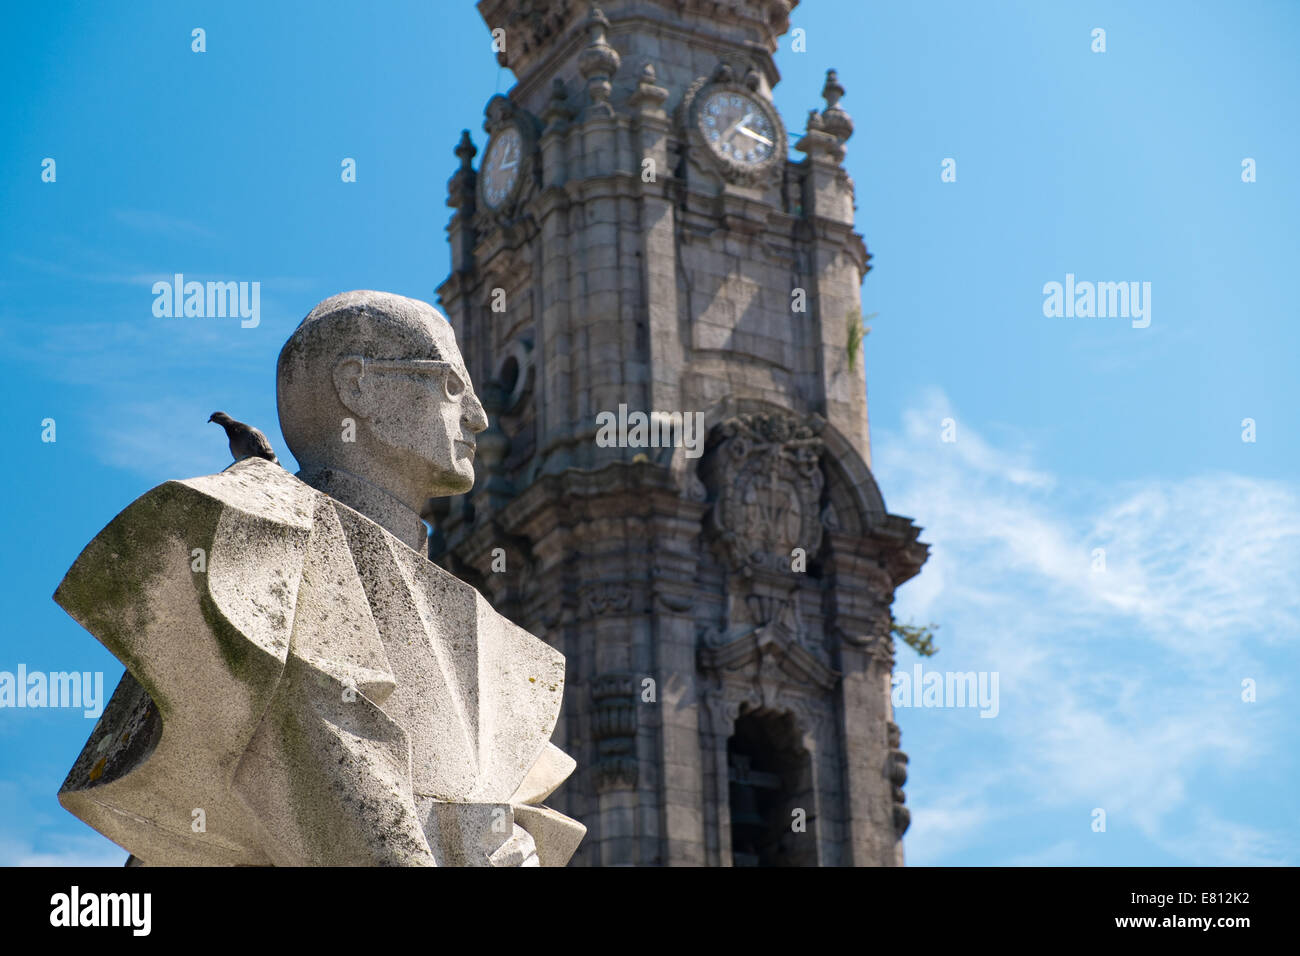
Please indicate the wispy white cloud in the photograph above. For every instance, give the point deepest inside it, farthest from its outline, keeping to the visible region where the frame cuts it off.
(1231, 843)
(60, 849)
(1064, 853)
(1118, 687)
(161, 224)
(35, 268)
(170, 438)
(36, 831)
(953, 821)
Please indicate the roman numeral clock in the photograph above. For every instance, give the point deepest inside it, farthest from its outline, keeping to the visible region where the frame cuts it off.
(637, 234)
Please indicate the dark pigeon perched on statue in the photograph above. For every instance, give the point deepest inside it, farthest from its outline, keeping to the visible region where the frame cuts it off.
(245, 440)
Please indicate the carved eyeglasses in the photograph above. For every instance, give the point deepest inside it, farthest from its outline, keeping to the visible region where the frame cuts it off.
(455, 385)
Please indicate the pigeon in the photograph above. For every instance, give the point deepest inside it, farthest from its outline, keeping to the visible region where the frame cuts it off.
(245, 440)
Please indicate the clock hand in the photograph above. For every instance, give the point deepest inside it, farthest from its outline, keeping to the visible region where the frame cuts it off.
(740, 122)
(752, 135)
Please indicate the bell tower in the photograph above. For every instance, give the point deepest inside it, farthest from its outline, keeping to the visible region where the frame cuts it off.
(637, 240)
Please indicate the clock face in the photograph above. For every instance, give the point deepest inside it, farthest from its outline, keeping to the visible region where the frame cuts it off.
(737, 127)
(501, 166)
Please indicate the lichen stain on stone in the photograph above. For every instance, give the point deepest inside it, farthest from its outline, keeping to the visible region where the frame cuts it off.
(111, 601)
(231, 644)
(97, 771)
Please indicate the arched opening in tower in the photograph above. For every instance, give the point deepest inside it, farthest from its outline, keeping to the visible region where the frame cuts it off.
(770, 792)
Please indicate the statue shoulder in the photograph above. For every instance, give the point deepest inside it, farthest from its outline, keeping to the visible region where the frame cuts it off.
(218, 555)
(194, 588)
(257, 487)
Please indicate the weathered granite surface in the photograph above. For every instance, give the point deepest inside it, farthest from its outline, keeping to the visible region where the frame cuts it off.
(303, 687)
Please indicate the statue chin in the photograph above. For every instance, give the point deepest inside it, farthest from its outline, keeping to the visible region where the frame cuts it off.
(451, 483)
(459, 486)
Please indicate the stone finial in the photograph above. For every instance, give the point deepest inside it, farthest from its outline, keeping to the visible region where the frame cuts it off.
(465, 150)
(818, 141)
(558, 112)
(752, 79)
(835, 120)
(460, 188)
(598, 63)
(832, 91)
(648, 95)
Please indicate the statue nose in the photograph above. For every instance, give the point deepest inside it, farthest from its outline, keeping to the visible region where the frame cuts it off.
(473, 415)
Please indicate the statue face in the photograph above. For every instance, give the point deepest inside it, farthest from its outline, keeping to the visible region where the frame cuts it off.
(427, 413)
(372, 385)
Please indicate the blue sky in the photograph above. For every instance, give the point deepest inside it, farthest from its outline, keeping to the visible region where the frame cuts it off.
(1119, 690)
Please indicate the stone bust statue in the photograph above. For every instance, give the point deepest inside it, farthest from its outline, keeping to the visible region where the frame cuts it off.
(303, 686)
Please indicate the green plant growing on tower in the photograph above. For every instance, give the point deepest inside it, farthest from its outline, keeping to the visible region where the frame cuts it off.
(857, 328)
(919, 639)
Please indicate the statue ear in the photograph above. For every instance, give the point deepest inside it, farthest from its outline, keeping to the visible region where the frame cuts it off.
(348, 376)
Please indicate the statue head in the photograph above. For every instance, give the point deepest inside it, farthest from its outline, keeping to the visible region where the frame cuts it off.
(373, 384)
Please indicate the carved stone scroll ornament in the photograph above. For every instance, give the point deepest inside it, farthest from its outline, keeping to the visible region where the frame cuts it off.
(601, 597)
(613, 726)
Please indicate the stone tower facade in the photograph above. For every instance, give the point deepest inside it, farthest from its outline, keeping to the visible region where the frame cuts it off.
(636, 239)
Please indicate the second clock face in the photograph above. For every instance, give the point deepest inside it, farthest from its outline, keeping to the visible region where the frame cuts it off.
(737, 127)
(500, 169)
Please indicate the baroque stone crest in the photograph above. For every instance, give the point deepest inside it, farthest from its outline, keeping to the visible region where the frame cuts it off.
(766, 469)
